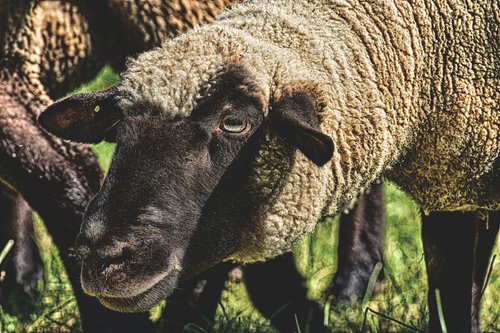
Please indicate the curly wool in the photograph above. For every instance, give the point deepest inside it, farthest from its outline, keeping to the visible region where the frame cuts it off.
(405, 98)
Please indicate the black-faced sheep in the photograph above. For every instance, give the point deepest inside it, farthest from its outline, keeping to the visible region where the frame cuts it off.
(49, 48)
(68, 43)
(66, 59)
(249, 130)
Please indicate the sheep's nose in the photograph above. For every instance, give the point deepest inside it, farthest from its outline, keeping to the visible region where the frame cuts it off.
(112, 256)
(104, 266)
(107, 257)
(113, 250)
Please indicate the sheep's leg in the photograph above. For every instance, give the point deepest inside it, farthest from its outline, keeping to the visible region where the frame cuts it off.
(486, 231)
(195, 302)
(360, 247)
(24, 268)
(449, 242)
(277, 290)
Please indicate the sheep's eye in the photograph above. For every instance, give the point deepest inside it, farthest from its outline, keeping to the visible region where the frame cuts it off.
(233, 124)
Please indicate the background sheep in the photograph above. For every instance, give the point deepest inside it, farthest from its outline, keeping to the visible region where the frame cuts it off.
(48, 49)
(290, 66)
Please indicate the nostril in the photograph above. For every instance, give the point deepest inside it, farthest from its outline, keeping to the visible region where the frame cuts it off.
(116, 258)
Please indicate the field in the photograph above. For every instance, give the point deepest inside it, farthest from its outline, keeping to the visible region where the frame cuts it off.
(402, 299)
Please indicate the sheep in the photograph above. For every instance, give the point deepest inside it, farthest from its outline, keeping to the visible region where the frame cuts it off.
(61, 64)
(54, 177)
(252, 128)
(65, 61)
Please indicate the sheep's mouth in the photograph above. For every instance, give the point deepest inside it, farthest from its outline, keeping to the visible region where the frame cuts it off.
(144, 300)
(117, 290)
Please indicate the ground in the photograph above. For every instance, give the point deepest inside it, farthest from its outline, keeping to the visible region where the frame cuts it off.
(399, 306)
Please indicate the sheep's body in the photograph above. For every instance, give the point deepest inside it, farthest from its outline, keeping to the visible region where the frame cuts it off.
(405, 96)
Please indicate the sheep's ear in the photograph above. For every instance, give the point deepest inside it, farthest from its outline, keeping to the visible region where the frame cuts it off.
(88, 117)
(296, 118)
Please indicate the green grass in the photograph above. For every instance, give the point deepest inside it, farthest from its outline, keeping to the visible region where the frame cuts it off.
(402, 295)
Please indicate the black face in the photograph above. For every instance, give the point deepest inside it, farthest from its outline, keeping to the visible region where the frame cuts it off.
(175, 201)
(137, 230)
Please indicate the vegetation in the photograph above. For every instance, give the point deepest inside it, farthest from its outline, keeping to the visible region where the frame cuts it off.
(402, 295)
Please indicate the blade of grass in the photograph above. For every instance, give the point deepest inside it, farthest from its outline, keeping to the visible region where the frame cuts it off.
(297, 323)
(280, 309)
(440, 311)
(388, 318)
(371, 283)
(189, 326)
(326, 311)
(224, 312)
(6, 249)
(365, 316)
(488, 276)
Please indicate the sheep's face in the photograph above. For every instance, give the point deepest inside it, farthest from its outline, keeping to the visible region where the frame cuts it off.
(150, 205)
(176, 199)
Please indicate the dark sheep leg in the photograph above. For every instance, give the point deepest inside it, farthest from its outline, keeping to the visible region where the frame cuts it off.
(457, 247)
(360, 247)
(486, 231)
(24, 266)
(277, 290)
(195, 302)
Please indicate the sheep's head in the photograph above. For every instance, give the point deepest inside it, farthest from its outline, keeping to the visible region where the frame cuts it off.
(177, 198)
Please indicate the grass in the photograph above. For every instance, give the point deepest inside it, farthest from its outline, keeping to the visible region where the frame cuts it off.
(400, 306)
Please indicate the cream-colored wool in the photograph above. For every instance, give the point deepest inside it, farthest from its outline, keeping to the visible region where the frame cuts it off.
(411, 92)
